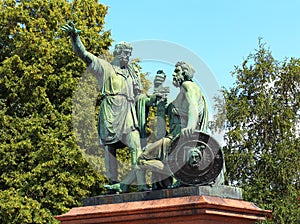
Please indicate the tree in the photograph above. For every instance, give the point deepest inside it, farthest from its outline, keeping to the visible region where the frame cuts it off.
(42, 170)
(262, 151)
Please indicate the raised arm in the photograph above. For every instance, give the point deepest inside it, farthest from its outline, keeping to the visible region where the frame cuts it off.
(78, 47)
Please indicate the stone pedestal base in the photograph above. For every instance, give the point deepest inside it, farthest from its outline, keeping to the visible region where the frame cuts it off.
(180, 210)
(220, 191)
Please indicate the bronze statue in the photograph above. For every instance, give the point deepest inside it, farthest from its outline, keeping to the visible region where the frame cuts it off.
(120, 87)
(186, 113)
(122, 119)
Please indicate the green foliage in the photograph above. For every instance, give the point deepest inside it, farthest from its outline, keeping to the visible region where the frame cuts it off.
(28, 210)
(262, 141)
(42, 170)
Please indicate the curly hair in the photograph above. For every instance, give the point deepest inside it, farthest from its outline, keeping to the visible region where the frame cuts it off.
(187, 68)
(121, 46)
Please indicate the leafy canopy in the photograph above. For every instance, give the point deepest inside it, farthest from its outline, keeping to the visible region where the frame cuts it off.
(42, 171)
(262, 141)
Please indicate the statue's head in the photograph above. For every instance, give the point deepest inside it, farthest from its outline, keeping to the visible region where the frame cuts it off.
(183, 72)
(194, 157)
(123, 52)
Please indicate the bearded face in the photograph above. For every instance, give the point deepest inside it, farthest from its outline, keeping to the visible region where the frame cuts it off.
(178, 76)
(124, 57)
(194, 158)
(122, 53)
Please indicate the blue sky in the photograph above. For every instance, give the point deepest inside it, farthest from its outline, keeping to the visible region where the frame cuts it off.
(220, 32)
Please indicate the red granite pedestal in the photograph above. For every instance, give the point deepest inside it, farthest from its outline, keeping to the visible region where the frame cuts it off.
(180, 210)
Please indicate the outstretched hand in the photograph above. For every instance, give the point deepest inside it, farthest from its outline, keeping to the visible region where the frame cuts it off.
(70, 29)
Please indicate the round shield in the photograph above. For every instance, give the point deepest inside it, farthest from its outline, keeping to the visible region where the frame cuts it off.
(197, 160)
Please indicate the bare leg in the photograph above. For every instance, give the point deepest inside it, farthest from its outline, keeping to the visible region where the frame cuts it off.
(133, 142)
(152, 159)
(111, 164)
(156, 166)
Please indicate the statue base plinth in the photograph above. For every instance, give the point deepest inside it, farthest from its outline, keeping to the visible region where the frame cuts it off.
(221, 191)
(173, 209)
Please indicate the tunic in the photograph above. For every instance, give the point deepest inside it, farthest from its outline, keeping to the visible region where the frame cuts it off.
(119, 89)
